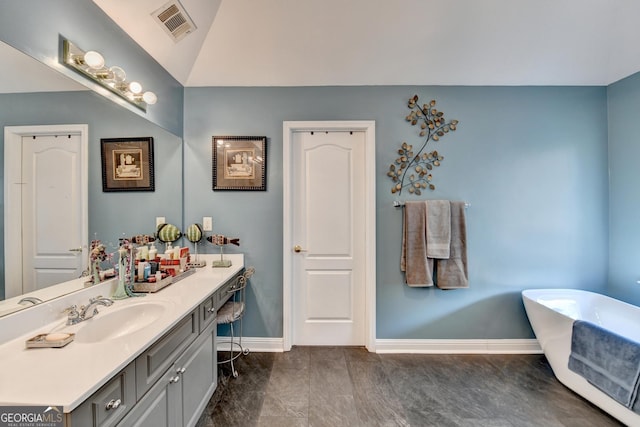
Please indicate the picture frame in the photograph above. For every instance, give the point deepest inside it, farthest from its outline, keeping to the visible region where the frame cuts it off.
(239, 163)
(127, 164)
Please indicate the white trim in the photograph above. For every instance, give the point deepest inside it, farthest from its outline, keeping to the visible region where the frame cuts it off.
(254, 344)
(12, 201)
(368, 127)
(471, 346)
(468, 346)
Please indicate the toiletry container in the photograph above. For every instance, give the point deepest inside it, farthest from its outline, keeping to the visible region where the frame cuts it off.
(153, 252)
(168, 254)
(144, 252)
(141, 267)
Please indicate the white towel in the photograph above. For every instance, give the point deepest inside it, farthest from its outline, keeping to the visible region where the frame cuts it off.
(438, 229)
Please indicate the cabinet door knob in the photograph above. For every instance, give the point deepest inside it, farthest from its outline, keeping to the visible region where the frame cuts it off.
(174, 379)
(181, 370)
(113, 404)
(212, 310)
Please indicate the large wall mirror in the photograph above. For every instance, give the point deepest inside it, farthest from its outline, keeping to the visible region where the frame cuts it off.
(33, 95)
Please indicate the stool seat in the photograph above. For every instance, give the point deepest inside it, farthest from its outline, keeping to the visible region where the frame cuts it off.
(232, 312)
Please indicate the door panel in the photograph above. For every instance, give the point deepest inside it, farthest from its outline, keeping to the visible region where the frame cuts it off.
(328, 199)
(329, 295)
(52, 209)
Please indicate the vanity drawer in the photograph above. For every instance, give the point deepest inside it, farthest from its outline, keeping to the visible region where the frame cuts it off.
(153, 363)
(207, 312)
(108, 405)
(223, 294)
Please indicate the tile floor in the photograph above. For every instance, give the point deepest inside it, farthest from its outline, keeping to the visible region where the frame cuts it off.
(343, 386)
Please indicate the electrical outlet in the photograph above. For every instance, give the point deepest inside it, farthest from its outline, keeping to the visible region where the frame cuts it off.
(207, 223)
(160, 220)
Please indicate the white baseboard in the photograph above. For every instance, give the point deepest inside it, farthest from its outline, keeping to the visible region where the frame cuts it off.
(471, 346)
(495, 346)
(255, 344)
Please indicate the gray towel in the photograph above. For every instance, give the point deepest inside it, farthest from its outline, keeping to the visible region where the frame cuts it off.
(452, 273)
(608, 361)
(413, 260)
(438, 229)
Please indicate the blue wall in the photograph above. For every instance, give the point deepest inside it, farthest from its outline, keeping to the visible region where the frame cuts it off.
(34, 27)
(532, 161)
(624, 202)
(110, 214)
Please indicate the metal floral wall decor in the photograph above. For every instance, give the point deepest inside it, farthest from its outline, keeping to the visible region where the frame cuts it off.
(419, 164)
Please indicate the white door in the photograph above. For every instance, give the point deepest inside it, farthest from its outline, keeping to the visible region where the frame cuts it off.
(45, 205)
(328, 198)
(51, 210)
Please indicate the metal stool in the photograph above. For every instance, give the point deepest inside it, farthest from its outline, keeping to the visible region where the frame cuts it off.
(231, 312)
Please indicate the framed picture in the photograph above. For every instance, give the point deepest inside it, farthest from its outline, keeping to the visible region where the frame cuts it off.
(239, 163)
(127, 164)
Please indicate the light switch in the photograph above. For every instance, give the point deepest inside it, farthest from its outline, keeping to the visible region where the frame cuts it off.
(160, 220)
(207, 223)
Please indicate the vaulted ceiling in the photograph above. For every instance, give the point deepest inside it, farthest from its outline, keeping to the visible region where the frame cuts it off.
(392, 42)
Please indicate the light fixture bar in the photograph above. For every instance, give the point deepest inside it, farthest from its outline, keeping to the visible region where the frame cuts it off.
(92, 65)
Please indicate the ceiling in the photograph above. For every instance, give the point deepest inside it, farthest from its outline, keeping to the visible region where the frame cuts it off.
(392, 42)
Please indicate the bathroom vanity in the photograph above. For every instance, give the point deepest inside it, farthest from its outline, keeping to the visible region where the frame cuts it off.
(148, 361)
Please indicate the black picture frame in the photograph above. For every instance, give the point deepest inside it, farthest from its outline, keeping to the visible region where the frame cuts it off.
(239, 163)
(127, 164)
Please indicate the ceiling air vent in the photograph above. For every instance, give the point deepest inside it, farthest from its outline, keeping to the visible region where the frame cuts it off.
(174, 20)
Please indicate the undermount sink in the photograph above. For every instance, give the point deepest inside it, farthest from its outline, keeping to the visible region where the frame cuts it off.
(116, 322)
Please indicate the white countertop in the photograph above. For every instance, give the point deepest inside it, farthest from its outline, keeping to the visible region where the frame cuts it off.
(69, 375)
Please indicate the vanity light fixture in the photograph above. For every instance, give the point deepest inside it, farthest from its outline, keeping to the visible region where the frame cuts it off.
(91, 64)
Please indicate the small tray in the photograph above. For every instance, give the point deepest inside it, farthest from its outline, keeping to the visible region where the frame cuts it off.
(156, 286)
(40, 341)
(152, 286)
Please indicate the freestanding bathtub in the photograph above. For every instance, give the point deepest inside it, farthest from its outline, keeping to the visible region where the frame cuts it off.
(552, 313)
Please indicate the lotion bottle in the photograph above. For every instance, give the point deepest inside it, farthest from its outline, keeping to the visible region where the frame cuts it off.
(153, 252)
(168, 254)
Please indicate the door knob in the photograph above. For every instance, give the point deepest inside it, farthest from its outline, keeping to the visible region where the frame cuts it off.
(298, 248)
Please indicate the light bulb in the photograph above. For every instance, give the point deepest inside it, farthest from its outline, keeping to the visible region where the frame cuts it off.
(149, 97)
(135, 87)
(94, 60)
(118, 73)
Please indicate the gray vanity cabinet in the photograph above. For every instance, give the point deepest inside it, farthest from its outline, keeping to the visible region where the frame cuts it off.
(178, 398)
(160, 407)
(167, 385)
(109, 404)
(199, 376)
(153, 363)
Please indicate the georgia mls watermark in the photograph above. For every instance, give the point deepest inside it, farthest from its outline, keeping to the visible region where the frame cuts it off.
(31, 416)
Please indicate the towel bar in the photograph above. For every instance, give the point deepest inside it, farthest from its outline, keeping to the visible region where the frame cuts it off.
(399, 204)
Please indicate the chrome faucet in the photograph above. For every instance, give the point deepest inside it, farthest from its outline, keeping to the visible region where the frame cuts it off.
(73, 316)
(92, 308)
(32, 300)
(86, 312)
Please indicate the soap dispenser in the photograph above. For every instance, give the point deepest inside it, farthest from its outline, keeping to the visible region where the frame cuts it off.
(168, 253)
(153, 252)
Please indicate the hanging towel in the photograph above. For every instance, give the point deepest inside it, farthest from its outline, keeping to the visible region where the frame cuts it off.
(438, 229)
(413, 260)
(452, 273)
